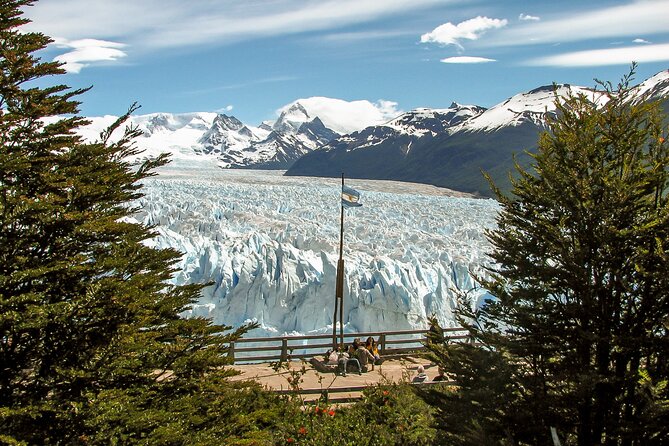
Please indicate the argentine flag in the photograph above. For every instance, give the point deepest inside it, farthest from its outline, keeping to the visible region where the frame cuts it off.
(350, 197)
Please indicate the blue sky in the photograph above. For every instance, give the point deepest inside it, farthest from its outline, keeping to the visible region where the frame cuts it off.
(248, 58)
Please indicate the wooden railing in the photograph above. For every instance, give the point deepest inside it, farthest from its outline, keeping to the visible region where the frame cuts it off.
(348, 394)
(281, 348)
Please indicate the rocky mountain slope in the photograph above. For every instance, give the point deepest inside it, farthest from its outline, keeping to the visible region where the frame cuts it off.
(325, 137)
(441, 147)
(451, 147)
(224, 139)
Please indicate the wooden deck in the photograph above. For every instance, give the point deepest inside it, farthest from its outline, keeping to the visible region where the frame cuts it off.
(340, 388)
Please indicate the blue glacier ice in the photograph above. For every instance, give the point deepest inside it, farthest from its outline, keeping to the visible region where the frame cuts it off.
(269, 244)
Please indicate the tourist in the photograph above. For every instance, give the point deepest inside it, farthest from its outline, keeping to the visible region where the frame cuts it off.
(421, 376)
(364, 357)
(372, 347)
(441, 376)
(354, 346)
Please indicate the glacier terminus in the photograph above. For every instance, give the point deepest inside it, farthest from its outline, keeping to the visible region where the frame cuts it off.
(268, 244)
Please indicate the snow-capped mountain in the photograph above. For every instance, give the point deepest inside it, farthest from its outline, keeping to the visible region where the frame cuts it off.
(442, 147)
(301, 126)
(655, 88)
(224, 139)
(228, 136)
(291, 119)
(177, 134)
(435, 121)
(406, 131)
(288, 141)
(341, 116)
(294, 134)
(425, 146)
(531, 107)
(445, 147)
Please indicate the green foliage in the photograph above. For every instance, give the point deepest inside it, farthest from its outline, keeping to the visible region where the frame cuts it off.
(474, 410)
(577, 325)
(387, 415)
(219, 413)
(92, 348)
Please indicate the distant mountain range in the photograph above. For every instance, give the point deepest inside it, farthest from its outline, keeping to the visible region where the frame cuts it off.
(226, 140)
(451, 147)
(444, 147)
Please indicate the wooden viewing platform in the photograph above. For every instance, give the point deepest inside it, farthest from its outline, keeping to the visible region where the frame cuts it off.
(399, 349)
(284, 348)
(339, 388)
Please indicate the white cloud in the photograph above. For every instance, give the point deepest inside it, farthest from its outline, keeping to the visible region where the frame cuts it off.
(387, 109)
(348, 37)
(640, 41)
(87, 51)
(527, 17)
(613, 56)
(467, 59)
(645, 17)
(472, 29)
(344, 116)
(227, 108)
(150, 24)
(240, 85)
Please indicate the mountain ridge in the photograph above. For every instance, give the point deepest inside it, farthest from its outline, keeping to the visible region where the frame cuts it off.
(446, 147)
(489, 140)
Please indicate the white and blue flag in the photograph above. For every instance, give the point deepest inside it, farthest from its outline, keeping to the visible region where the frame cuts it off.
(350, 197)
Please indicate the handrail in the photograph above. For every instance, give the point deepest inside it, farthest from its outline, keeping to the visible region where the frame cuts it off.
(349, 335)
(298, 347)
(348, 394)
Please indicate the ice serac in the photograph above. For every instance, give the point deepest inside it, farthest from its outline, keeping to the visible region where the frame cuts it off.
(269, 245)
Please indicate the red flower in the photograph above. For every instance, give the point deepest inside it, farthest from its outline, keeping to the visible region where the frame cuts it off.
(302, 431)
(290, 440)
(386, 393)
(331, 413)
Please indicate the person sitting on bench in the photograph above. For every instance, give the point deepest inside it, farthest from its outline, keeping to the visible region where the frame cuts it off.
(345, 361)
(362, 355)
(373, 348)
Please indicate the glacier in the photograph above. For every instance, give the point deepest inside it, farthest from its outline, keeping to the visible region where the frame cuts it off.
(269, 244)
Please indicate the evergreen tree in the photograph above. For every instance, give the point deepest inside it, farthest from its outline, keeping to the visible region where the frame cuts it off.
(92, 348)
(578, 323)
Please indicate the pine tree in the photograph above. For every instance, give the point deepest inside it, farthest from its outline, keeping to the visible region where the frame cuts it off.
(92, 348)
(581, 286)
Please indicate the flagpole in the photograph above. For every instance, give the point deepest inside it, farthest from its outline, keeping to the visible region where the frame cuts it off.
(340, 272)
(334, 318)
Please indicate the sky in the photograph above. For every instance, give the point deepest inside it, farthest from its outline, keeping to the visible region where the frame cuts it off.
(249, 58)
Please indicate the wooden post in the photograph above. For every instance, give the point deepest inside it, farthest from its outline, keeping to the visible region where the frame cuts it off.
(340, 272)
(231, 352)
(284, 349)
(334, 319)
(382, 341)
